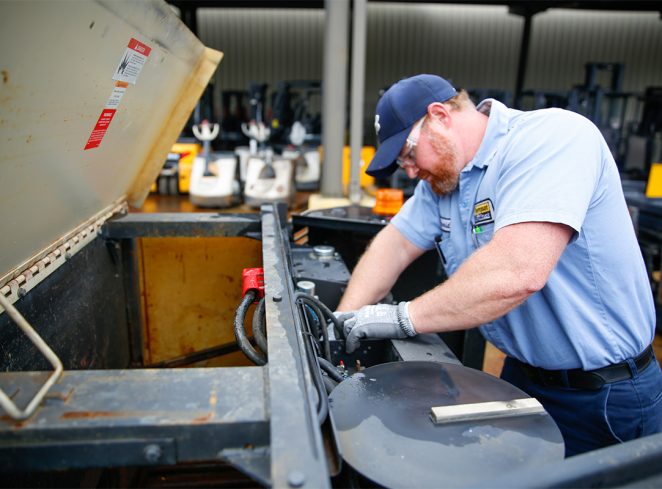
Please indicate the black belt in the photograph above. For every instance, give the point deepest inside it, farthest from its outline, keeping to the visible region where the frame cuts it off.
(586, 379)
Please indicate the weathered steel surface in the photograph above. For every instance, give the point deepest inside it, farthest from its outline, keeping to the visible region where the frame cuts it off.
(297, 453)
(79, 310)
(181, 224)
(382, 416)
(191, 290)
(133, 413)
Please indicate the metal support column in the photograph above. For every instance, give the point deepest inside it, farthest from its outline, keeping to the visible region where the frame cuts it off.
(357, 98)
(334, 95)
(523, 58)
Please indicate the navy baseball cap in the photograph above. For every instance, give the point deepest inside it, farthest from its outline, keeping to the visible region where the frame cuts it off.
(397, 111)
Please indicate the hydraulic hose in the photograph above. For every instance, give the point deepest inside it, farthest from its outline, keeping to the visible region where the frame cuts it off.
(330, 369)
(329, 384)
(260, 328)
(327, 312)
(255, 356)
(325, 333)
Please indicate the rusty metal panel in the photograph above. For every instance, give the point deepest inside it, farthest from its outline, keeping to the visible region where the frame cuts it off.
(54, 91)
(79, 310)
(190, 290)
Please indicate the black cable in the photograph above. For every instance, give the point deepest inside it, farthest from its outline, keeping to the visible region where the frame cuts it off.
(260, 329)
(327, 312)
(323, 410)
(315, 321)
(325, 333)
(329, 384)
(198, 356)
(330, 369)
(322, 396)
(255, 356)
(310, 348)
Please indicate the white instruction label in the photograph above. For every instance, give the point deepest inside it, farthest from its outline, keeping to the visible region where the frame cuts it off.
(132, 62)
(115, 97)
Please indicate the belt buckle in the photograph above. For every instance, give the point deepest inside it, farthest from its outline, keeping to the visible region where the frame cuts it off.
(550, 378)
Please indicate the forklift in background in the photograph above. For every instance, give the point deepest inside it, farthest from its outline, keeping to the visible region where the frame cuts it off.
(175, 176)
(296, 126)
(268, 177)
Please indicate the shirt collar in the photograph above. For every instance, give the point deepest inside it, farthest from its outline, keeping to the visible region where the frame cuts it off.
(497, 126)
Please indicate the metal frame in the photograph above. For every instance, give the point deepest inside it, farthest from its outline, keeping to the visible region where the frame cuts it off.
(260, 419)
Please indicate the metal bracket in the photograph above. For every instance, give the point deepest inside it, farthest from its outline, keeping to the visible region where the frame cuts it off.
(485, 410)
(5, 402)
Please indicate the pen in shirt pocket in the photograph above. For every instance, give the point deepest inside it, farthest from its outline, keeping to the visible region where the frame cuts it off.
(437, 242)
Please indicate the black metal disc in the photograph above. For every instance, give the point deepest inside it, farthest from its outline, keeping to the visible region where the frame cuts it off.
(386, 434)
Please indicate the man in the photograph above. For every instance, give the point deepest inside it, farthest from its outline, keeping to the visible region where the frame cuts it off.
(528, 213)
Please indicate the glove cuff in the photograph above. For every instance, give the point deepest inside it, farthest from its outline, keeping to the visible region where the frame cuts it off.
(403, 319)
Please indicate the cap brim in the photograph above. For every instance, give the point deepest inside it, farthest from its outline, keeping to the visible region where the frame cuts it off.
(383, 164)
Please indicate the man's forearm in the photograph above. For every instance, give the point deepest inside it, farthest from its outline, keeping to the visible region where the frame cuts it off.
(471, 297)
(368, 284)
(378, 269)
(494, 280)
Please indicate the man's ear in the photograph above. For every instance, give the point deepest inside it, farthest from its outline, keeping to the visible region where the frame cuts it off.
(438, 112)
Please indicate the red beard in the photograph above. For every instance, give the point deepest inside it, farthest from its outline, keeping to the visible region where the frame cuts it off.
(443, 177)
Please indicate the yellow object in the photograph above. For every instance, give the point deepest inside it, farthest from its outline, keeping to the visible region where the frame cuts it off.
(654, 185)
(367, 153)
(389, 201)
(188, 152)
(190, 288)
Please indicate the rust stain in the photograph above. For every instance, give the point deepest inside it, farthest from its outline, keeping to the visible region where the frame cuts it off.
(60, 396)
(5, 76)
(90, 414)
(8, 419)
(203, 419)
(213, 399)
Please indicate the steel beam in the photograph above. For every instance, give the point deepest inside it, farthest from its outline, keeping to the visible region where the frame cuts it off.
(111, 418)
(181, 224)
(297, 452)
(359, 29)
(334, 94)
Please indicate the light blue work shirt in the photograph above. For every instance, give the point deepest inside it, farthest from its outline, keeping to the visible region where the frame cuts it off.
(547, 165)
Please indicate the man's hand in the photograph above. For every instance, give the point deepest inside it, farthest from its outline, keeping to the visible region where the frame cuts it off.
(381, 321)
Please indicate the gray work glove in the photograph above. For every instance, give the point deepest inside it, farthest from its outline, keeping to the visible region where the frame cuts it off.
(382, 321)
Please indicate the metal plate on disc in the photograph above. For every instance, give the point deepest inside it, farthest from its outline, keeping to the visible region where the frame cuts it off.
(385, 431)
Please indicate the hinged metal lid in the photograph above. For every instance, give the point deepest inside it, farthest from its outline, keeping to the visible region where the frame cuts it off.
(89, 108)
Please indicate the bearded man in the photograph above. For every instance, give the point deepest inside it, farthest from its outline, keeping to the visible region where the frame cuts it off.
(528, 213)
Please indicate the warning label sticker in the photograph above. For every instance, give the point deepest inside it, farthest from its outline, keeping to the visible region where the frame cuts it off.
(127, 71)
(132, 62)
(115, 97)
(100, 128)
(107, 115)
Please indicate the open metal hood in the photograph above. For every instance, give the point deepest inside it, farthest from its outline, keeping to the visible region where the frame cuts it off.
(89, 108)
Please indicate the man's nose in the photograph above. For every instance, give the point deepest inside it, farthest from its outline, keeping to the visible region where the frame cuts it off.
(412, 171)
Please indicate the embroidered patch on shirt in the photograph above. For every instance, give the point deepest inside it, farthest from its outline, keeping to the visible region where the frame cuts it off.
(445, 224)
(483, 212)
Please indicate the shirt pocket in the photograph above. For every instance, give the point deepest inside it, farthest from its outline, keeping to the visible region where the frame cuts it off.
(482, 234)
